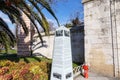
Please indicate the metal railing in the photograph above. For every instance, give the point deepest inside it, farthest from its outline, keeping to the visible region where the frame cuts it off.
(76, 71)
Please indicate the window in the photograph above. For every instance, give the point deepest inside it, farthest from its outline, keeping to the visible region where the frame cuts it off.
(67, 33)
(59, 33)
(68, 75)
(56, 75)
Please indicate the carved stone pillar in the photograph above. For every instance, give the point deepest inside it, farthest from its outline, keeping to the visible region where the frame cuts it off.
(23, 39)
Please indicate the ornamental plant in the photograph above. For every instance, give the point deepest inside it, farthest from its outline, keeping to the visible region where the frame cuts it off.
(24, 71)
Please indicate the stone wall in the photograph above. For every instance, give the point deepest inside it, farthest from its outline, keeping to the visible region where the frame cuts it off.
(77, 44)
(45, 50)
(102, 41)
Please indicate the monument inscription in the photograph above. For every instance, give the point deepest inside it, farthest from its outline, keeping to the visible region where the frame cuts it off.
(62, 59)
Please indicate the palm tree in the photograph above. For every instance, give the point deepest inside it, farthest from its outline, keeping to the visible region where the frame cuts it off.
(6, 36)
(31, 8)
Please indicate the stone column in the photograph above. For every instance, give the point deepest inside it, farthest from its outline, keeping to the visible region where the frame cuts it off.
(23, 39)
(115, 19)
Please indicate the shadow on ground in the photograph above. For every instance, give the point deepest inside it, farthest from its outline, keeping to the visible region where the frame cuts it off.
(15, 58)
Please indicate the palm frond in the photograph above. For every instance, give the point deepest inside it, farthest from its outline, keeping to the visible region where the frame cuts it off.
(33, 21)
(6, 29)
(5, 40)
(44, 20)
(15, 9)
(47, 6)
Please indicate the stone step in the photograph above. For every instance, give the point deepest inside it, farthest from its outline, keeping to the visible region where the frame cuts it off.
(21, 34)
(19, 51)
(22, 42)
(23, 45)
(21, 37)
(23, 48)
(24, 53)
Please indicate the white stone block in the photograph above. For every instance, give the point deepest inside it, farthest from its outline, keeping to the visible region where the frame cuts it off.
(62, 57)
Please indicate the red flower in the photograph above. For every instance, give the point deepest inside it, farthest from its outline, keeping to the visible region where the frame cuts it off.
(24, 71)
(36, 77)
(4, 70)
(8, 77)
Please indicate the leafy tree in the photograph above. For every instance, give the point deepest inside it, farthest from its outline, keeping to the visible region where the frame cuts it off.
(68, 25)
(31, 8)
(74, 22)
(6, 36)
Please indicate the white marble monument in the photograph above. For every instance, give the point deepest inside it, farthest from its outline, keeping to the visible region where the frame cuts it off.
(62, 59)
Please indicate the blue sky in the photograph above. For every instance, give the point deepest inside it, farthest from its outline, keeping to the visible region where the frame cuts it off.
(5, 18)
(63, 9)
(66, 10)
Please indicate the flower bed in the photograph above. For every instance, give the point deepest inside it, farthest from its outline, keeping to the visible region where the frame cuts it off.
(24, 71)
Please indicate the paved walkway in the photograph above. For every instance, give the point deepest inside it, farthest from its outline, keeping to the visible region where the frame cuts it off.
(93, 76)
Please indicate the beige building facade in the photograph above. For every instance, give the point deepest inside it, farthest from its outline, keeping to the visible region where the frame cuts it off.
(102, 36)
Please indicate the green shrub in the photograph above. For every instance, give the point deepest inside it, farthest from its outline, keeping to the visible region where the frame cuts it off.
(24, 71)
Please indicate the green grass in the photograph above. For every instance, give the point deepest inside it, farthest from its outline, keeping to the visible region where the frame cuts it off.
(34, 59)
(11, 51)
(15, 58)
(75, 64)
